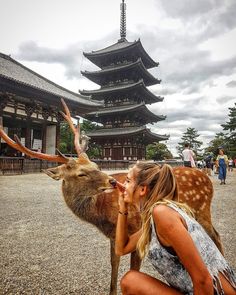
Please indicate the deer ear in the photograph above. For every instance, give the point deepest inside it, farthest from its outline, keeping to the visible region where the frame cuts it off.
(83, 159)
(54, 173)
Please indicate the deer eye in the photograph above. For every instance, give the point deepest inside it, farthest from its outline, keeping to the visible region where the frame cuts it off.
(81, 175)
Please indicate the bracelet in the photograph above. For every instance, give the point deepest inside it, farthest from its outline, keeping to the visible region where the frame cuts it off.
(123, 213)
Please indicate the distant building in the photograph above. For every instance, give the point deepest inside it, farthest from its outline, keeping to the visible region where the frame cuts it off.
(123, 78)
(30, 105)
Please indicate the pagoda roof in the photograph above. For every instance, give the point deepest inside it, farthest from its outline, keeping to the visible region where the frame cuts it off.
(13, 72)
(103, 92)
(114, 132)
(121, 47)
(100, 77)
(140, 109)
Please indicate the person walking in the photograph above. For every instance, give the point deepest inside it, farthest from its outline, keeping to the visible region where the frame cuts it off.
(176, 244)
(222, 163)
(188, 156)
(230, 165)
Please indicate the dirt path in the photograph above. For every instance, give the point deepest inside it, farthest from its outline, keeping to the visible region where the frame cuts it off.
(45, 249)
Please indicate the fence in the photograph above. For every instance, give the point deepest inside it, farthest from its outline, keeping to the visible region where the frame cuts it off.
(19, 165)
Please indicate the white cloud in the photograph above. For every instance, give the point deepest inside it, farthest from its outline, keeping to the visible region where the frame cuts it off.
(194, 41)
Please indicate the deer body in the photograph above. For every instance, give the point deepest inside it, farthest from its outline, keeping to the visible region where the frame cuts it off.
(90, 195)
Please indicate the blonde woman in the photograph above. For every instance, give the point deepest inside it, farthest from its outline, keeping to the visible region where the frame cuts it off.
(178, 247)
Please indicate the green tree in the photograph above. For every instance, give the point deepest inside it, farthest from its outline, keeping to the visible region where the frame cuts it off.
(158, 151)
(230, 137)
(218, 141)
(67, 139)
(190, 136)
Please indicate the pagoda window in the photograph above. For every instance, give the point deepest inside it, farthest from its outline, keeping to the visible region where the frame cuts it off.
(127, 151)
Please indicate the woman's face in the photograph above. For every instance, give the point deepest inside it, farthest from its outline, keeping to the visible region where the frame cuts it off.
(221, 152)
(131, 194)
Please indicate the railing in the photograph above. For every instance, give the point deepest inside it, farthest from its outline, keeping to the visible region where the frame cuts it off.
(112, 164)
(19, 165)
(11, 165)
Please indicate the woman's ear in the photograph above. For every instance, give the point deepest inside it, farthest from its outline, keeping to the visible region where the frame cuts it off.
(143, 190)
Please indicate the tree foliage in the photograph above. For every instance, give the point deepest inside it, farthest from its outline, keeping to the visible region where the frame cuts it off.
(67, 139)
(230, 128)
(218, 141)
(158, 151)
(190, 136)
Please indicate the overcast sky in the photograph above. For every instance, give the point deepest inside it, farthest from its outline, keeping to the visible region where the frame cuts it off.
(193, 40)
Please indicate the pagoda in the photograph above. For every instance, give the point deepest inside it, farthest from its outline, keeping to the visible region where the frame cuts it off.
(123, 78)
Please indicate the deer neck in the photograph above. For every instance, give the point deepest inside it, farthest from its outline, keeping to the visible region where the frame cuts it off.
(82, 206)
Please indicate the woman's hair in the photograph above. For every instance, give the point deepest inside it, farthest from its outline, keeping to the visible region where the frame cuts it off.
(161, 189)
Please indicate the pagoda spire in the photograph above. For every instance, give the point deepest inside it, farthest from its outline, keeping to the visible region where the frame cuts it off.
(122, 21)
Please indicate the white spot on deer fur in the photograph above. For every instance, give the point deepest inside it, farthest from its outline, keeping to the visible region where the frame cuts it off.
(197, 197)
(187, 172)
(194, 199)
(203, 206)
(200, 179)
(197, 183)
(183, 178)
(206, 197)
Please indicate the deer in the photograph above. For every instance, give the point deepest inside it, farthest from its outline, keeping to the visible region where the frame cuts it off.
(92, 195)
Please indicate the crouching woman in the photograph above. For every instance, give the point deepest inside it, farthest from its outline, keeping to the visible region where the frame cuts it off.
(178, 247)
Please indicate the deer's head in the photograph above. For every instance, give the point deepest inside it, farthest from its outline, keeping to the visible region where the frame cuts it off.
(80, 176)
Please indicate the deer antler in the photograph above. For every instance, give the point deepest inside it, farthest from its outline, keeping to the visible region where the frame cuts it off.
(18, 146)
(76, 130)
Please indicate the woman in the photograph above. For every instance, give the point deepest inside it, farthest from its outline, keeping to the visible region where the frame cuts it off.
(222, 163)
(176, 244)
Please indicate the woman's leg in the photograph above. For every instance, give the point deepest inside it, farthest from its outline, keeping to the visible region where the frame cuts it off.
(138, 283)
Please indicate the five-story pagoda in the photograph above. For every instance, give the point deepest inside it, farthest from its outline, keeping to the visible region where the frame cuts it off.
(123, 78)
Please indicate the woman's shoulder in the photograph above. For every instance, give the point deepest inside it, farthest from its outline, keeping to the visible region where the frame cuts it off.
(164, 215)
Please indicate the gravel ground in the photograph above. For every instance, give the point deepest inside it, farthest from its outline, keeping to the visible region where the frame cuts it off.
(45, 249)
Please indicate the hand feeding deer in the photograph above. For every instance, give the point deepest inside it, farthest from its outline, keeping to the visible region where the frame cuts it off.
(92, 196)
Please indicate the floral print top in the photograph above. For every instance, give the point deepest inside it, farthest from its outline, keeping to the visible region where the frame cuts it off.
(169, 266)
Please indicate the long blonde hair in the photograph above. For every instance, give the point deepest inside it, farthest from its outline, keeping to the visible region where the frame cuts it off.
(161, 189)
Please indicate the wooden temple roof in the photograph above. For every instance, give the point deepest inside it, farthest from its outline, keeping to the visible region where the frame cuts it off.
(136, 68)
(139, 87)
(140, 109)
(122, 47)
(150, 136)
(14, 75)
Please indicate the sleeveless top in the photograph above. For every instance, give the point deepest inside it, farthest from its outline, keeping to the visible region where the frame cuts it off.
(173, 271)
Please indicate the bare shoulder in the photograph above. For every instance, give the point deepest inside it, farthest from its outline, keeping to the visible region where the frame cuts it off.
(165, 216)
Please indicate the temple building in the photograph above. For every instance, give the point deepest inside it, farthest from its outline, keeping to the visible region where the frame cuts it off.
(30, 105)
(123, 78)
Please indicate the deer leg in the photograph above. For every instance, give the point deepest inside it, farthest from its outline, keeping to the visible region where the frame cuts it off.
(115, 261)
(135, 261)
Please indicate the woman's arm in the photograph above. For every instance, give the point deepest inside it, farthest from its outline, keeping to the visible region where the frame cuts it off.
(172, 232)
(124, 243)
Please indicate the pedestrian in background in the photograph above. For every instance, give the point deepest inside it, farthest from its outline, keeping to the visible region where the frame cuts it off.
(222, 163)
(188, 156)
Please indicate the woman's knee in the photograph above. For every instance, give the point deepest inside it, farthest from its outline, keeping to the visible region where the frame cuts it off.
(128, 281)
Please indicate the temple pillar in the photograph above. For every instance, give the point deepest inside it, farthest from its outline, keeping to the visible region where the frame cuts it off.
(45, 115)
(50, 142)
(29, 109)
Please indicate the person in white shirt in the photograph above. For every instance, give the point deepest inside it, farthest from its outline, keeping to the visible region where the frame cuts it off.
(188, 156)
